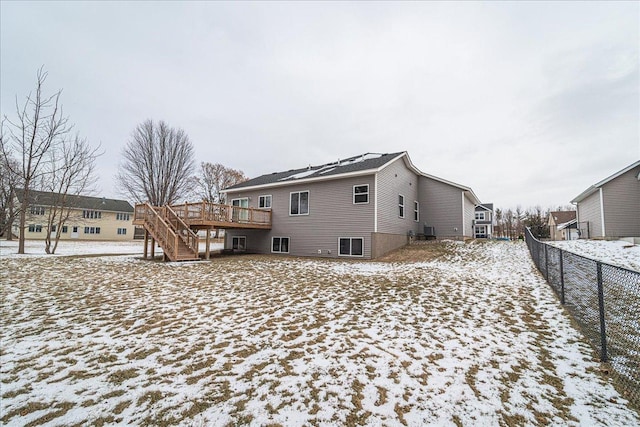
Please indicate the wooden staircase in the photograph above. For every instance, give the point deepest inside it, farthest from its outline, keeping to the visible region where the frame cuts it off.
(177, 240)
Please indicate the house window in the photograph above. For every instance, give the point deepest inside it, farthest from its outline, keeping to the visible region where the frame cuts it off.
(360, 194)
(299, 203)
(122, 231)
(37, 210)
(91, 214)
(351, 246)
(416, 211)
(264, 202)
(92, 230)
(122, 216)
(65, 228)
(35, 228)
(54, 228)
(280, 245)
(401, 206)
(239, 243)
(481, 231)
(480, 216)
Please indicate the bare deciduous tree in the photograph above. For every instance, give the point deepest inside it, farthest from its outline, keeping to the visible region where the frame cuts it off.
(9, 182)
(38, 128)
(71, 173)
(214, 178)
(157, 164)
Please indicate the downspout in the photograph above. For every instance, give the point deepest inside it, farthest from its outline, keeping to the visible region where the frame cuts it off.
(604, 234)
(375, 202)
(464, 220)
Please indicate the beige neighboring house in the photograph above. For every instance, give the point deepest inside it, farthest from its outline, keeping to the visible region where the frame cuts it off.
(610, 209)
(562, 225)
(91, 218)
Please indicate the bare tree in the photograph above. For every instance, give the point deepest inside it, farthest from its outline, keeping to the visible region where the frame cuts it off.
(9, 182)
(39, 126)
(214, 178)
(157, 164)
(71, 173)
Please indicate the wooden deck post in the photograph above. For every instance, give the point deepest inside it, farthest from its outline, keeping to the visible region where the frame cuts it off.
(146, 244)
(207, 252)
(153, 248)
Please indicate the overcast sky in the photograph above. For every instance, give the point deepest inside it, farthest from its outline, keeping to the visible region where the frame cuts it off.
(527, 103)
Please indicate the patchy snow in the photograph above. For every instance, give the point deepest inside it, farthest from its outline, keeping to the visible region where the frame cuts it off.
(35, 248)
(475, 337)
(618, 252)
(331, 166)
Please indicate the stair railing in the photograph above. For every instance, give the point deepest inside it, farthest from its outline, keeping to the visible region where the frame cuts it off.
(160, 230)
(182, 229)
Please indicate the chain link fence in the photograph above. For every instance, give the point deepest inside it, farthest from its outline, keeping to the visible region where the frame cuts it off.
(605, 302)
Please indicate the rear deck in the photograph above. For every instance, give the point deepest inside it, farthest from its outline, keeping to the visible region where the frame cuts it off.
(175, 227)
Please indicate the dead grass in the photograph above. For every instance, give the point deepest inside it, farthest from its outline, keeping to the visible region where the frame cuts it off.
(258, 337)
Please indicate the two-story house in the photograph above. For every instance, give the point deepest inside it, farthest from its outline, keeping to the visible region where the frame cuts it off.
(363, 206)
(89, 218)
(483, 221)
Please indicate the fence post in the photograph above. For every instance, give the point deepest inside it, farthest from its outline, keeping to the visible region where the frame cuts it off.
(546, 263)
(561, 277)
(603, 337)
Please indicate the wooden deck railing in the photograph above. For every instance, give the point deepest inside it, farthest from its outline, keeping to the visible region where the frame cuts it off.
(217, 213)
(182, 230)
(158, 228)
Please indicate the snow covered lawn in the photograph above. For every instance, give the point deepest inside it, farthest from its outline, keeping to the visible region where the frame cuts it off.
(465, 334)
(619, 253)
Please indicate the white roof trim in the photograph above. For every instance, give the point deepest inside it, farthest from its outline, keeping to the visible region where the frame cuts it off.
(404, 155)
(589, 191)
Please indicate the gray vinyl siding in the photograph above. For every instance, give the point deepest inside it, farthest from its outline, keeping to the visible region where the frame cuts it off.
(589, 211)
(332, 214)
(469, 216)
(441, 207)
(394, 180)
(622, 205)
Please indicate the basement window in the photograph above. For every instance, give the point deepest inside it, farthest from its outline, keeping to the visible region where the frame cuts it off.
(351, 246)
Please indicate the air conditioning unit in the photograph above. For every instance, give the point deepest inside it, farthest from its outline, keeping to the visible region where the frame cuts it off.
(429, 231)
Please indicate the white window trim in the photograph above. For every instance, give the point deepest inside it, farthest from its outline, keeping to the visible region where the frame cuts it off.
(416, 211)
(404, 208)
(270, 201)
(308, 202)
(280, 237)
(360, 194)
(350, 247)
(239, 237)
(484, 216)
(481, 226)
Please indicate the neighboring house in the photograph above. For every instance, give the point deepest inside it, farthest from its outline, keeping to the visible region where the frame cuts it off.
(562, 225)
(483, 222)
(91, 218)
(610, 209)
(363, 206)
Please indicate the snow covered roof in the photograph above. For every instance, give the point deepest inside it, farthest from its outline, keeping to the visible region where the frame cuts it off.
(361, 163)
(586, 193)
(568, 224)
(43, 198)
